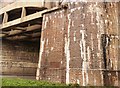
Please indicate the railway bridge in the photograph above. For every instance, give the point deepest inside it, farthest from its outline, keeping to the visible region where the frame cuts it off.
(76, 42)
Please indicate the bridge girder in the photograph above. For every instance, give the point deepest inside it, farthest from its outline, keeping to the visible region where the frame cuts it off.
(20, 18)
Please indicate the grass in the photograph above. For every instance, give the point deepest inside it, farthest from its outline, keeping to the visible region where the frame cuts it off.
(26, 82)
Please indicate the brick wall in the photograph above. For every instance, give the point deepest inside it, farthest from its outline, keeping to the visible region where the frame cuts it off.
(19, 58)
(80, 45)
(52, 64)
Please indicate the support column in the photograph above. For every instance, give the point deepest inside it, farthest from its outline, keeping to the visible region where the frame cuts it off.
(5, 19)
(23, 12)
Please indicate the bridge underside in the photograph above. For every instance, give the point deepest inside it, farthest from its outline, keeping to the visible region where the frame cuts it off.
(23, 21)
(30, 30)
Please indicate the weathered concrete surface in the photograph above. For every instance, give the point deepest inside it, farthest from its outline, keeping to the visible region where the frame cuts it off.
(52, 43)
(112, 75)
(80, 45)
(19, 58)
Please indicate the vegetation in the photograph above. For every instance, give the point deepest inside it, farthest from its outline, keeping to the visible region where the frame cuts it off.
(26, 82)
